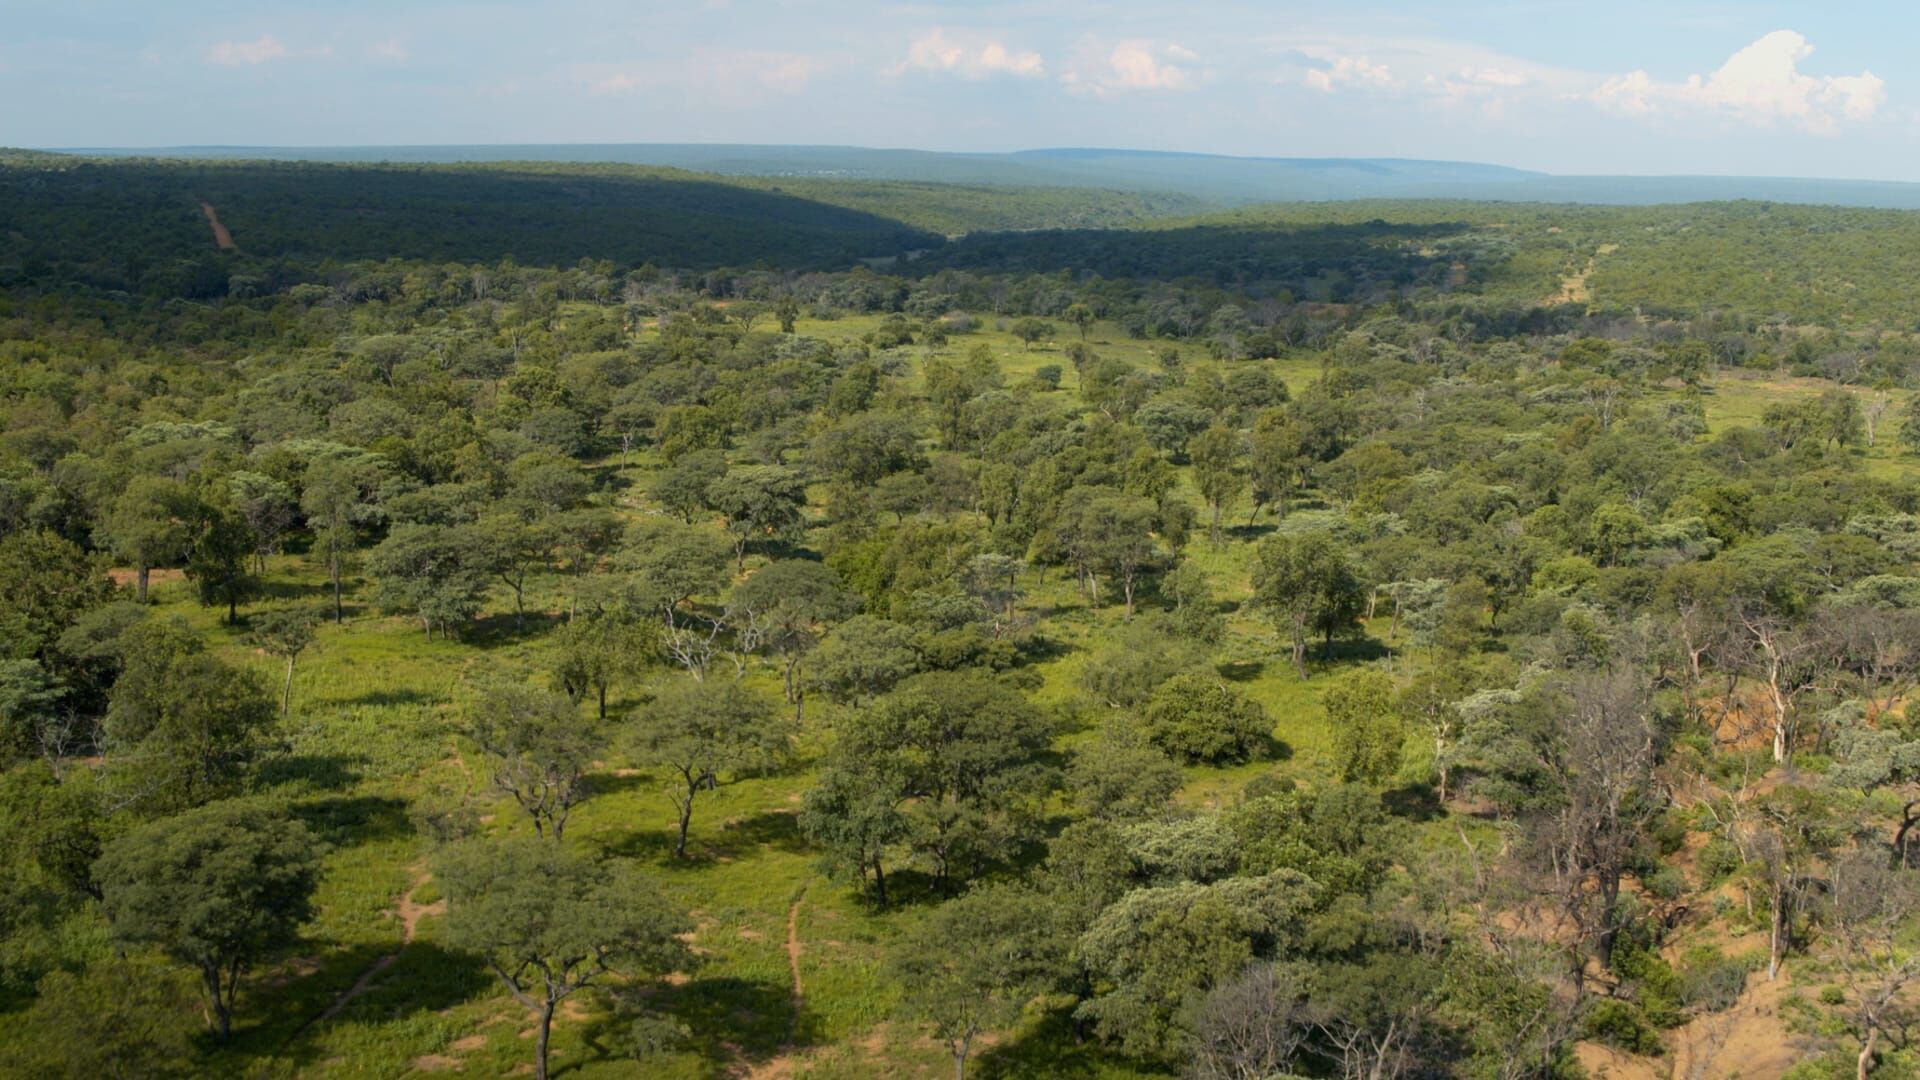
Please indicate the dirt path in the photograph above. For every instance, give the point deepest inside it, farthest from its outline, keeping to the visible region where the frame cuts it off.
(781, 1065)
(409, 914)
(793, 964)
(1574, 288)
(221, 237)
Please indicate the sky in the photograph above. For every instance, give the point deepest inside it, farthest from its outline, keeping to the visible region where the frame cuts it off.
(1613, 87)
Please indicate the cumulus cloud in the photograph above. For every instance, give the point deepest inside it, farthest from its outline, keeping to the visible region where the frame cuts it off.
(246, 53)
(1761, 85)
(967, 57)
(1328, 69)
(1137, 65)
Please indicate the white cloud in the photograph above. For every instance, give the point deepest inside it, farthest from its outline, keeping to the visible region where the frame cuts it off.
(1133, 66)
(246, 53)
(1761, 85)
(1330, 69)
(967, 57)
(391, 50)
(729, 78)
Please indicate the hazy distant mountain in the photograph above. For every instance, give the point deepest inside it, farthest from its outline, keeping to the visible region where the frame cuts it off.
(1217, 178)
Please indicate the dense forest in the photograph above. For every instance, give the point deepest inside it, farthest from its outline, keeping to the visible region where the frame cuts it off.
(622, 622)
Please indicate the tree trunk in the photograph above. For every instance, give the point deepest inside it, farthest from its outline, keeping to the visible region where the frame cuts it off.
(540, 1044)
(1864, 1062)
(339, 608)
(880, 882)
(603, 701)
(686, 820)
(286, 690)
(960, 1049)
(144, 571)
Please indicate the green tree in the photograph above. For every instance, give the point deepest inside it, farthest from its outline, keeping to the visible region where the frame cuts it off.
(219, 555)
(149, 524)
(1216, 455)
(285, 633)
(862, 658)
(597, 652)
(783, 607)
(440, 575)
(1121, 774)
(541, 749)
(703, 730)
(219, 888)
(550, 923)
(1367, 731)
(335, 503)
(760, 502)
(960, 755)
(1199, 718)
(182, 728)
(975, 962)
(1306, 582)
(1032, 331)
(122, 1018)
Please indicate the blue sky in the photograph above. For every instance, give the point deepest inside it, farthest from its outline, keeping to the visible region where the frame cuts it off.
(1615, 87)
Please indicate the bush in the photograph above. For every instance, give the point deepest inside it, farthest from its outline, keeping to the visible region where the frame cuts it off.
(1197, 718)
(1619, 1024)
(1710, 980)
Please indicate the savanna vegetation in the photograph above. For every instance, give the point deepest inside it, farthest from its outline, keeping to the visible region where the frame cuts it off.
(595, 622)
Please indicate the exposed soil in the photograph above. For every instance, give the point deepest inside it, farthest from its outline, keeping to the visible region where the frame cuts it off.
(409, 914)
(221, 237)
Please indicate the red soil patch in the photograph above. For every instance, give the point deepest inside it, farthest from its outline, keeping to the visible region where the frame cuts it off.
(221, 237)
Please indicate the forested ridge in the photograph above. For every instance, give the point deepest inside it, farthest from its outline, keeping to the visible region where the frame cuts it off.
(620, 622)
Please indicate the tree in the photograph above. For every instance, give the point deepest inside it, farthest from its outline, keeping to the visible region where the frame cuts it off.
(123, 1018)
(1216, 472)
(267, 507)
(862, 658)
(1368, 736)
(598, 651)
(182, 728)
(682, 488)
(1871, 910)
(1121, 774)
(1307, 583)
(1197, 718)
(149, 524)
(1032, 331)
(285, 633)
(973, 964)
(438, 574)
(760, 502)
(550, 923)
(958, 754)
(335, 503)
(220, 888)
(1111, 536)
(541, 749)
(854, 815)
(1082, 318)
(702, 730)
(514, 549)
(218, 554)
(783, 607)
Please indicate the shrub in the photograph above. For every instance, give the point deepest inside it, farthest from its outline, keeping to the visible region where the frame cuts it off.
(1197, 718)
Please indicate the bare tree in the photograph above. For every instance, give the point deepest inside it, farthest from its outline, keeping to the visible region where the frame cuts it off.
(1870, 912)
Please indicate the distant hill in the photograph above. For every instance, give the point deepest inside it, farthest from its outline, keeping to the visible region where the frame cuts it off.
(1211, 179)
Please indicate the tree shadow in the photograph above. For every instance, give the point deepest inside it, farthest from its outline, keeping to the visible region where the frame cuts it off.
(393, 696)
(1050, 1048)
(1414, 802)
(423, 978)
(346, 821)
(728, 1018)
(1240, 670)
(316, 772)
(1250, 532)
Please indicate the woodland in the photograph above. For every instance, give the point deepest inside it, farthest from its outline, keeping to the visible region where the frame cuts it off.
(595, 620)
